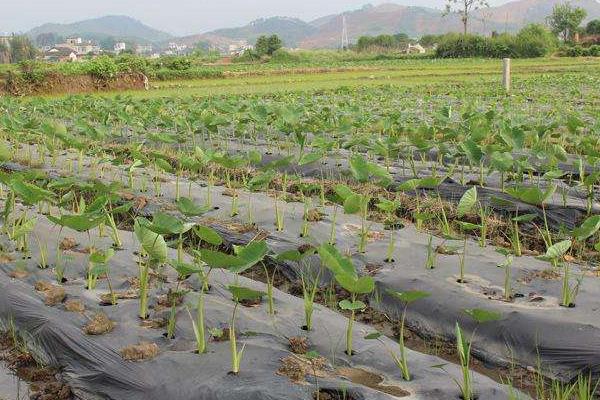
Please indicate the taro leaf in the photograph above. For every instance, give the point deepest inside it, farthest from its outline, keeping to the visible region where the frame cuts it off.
(79, 222)
(333, 260)
(249, 255)
(260, 181)
(353, 203)
(153, 244)
(430, 182)
(352, 305)
(23, 229)
(97, 205)
(290, 255)
(597, 246)
(386, 205)
(553, 174)
(343, 191)
(409, 296)
(164, 224)
(254, 157)
(216, 259)
(409, 185)
(532, 195)
(241, 293)
(557, 250)
(185, 269)
(5, 153)
(310, 158)
(122, 208)
(472, 151)
(481, 316)
(468, 226)
(277, 164)
(591, 179)
(187, 207)
(208, 235)
(359, 168)
(362, 285)
(524, 218)
(164, 165)
(588, 228)
(30, 193)
(467, 202)
(373, 336)
(501, 161)
(101, 257)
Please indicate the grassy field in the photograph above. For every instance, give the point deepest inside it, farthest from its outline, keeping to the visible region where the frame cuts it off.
(263, 80)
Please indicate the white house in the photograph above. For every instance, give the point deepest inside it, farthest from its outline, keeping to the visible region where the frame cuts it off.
(119, 47)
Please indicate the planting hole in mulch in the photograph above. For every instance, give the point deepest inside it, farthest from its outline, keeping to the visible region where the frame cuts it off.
(333, 394)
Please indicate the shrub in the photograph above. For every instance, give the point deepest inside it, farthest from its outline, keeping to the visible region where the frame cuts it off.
(130, 63)
(103, 67)
(535, 40)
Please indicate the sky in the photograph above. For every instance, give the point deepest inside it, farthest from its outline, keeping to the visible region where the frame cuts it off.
(180, 17)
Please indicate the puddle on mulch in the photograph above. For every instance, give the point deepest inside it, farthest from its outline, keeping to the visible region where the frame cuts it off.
(371, 380)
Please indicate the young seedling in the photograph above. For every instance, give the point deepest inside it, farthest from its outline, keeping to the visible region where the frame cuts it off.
(239, 294)
(555, 255)
(507, 266)
(165, 224)
(463, 347)
(390, 207)
(431, 260)
(345, 274)
(355, 203)
(310, 281)
(154, 248)
(99, 265)
(515, 232)
(406, 298)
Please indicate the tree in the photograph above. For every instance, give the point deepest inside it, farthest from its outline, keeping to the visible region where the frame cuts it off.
(593, 27)
(48, 39)
(464, 8)
(21, 49)
(565, 20)
(267, 45)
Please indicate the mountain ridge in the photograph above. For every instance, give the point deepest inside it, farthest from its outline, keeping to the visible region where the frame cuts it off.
(117, 26)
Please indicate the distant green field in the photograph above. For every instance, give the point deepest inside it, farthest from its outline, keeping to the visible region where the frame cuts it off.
(264, 80)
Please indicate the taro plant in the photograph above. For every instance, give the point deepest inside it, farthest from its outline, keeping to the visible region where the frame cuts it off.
(401, 359)
(239, 294)
(463, 347)
(99, 261)
(165, 224)
(355, 203)
(346, 276)
(390, 207)
(555, 254)
(210, 237)
(154, 254)
(310, 281)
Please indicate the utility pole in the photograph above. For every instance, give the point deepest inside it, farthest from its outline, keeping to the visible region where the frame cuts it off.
(345, 41)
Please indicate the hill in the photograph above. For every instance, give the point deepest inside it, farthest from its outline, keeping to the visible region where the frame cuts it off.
(389, 18)
(116, 26)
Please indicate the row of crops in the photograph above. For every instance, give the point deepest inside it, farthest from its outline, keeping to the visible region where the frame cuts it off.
(289, 245)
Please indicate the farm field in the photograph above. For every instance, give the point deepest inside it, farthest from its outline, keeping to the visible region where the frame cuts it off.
(398, 229)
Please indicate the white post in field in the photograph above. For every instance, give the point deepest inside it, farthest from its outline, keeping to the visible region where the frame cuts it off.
(506, 74)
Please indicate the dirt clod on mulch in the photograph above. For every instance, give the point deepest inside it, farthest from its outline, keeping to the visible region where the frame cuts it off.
(297, 367)
(314, 215)
(139, 352)
(67, 243)
(298, 344)
(99, 325)
(73, 305)
(53, 294)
